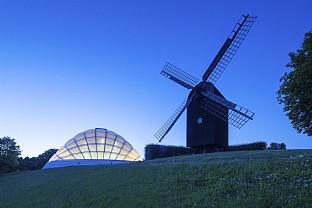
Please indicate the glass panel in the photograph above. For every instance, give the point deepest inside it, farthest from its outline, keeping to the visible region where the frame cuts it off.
(110, 141)
(87, 155)
(91, 140)
(69, 157)
(78, 156)
(113, 156)
(135, 152)
(79, 136)
(100, 155)
(94, 155)
(100, 140)
(106, 155)
(84, 148)
(90, 133)
(72, 145)
(74, 150)
(116, 150)
(64, 154)
(111, 135)
(71, 141)
(129, 159)
(100, 133)
(92, 147)
(138, 159)
(118, 144)
(120, 157)
(100, 147)
(108, 148)
(54, 157)
(124, 152)
(133, 155)
(120, 139)
(81, 142)
(128, 147)
(61, 150)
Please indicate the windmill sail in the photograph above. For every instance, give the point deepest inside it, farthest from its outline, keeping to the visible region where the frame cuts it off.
(220, 107)
(229, 48)
(162, 132)
(227, 111)
(177, 75)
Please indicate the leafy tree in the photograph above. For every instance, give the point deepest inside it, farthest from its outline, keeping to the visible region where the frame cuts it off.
(296, 89)
(9, 153)
(277, 146)
(36, 162)
(45, 157)
(283, 146)
(274, 146)
(27, 163)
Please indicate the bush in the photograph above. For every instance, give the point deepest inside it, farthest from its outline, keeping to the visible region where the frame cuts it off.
(250, 146)
(277, 146)
(153, 151)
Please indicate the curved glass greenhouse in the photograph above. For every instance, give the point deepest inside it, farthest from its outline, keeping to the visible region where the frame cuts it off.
(94, 147)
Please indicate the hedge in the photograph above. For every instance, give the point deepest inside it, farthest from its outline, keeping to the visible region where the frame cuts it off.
(153, 151)
(249, 146)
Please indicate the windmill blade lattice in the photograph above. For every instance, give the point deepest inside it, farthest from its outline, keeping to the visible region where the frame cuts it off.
(177, 75)
(236, 116)
(229, 48)
(162, 132)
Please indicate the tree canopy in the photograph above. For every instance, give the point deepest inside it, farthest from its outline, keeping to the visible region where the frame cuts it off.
(9, 153)
(36, 162)
(277, 146)
(296, 89)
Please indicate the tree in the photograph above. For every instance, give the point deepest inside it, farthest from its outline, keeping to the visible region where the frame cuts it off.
(36, 162)
(27, 164)
(9, 153)
(45, 157)
(296, 89)
(274, 146)
(283, 146)
(277, 146)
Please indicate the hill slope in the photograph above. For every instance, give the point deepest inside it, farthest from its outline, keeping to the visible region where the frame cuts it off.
(226, 179)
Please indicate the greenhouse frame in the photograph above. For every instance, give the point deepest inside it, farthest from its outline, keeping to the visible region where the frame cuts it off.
(94, 147)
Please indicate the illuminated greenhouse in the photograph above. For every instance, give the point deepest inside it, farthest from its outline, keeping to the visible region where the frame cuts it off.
(94, 147)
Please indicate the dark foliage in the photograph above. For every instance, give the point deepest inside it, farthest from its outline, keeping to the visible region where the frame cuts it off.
(153, 151)
(250, 146)
(296, 89)
(277, 146)
(9, 153)
(36, 162)
(27, 163)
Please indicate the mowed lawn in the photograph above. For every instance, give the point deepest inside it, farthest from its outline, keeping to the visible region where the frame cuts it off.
(225, 179)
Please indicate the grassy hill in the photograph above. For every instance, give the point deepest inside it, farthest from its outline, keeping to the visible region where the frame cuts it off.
(225, 179)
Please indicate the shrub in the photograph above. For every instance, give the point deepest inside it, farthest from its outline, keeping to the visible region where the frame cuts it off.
(277, 146)
(153, 151)
(249, 146)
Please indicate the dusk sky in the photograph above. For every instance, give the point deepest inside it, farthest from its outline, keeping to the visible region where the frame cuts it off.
(67, 66)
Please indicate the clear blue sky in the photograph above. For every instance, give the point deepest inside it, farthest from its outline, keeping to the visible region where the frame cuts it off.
(68, 66)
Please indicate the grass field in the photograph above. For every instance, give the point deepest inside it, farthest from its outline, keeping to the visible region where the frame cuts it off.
(225, 179)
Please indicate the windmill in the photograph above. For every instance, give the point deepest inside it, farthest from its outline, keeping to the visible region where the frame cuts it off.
(208, 112)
